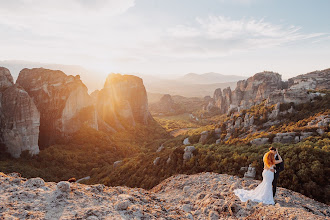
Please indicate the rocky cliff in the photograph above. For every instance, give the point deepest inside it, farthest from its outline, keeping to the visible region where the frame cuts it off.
(269, 86)
(63, 102)
(19, 117)
(316, 80)
(200, 196)
(123, 101)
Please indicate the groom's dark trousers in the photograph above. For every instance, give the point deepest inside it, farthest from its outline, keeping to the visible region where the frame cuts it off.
(276, 175)
(278, 167)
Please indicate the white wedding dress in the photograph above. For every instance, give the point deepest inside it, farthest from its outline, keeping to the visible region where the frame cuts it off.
(262, 193)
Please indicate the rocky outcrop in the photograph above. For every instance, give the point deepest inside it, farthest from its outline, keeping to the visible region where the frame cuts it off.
(248, 92)
(123, 101)
(269, 86)
(63, 103)
(200, 196)
(317, 80)
(285, 138)
(165, 106)
(203, 138)
(19, 118)
(250, 172)
(188, 152)
(260, 141)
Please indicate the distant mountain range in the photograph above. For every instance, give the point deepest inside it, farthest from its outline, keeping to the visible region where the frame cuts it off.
(210, 78)
(189, 85)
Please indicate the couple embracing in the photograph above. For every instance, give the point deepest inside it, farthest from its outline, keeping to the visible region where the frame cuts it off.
(265, 191)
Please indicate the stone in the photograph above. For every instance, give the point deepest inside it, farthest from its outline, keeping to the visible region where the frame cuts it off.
(188, 152)
(160, 148)
(63, 102)
(217, 132)
(320, 131)
(204, 136)
(156, 161)
(63, 187)
(186, 141)
(168, 160)
(122, 205)
(117, 163)
(250, 173)
(260, 141)
(35, 183)
(238, 122)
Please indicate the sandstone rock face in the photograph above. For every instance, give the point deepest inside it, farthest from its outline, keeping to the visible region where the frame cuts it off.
(123, 101)
(200, 196)
(19, 118)
(6, 80)
(63, 102)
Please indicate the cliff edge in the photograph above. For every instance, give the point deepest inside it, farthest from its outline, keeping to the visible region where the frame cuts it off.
(200, 196)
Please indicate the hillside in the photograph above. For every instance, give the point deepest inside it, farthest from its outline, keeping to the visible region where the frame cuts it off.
(201, 196)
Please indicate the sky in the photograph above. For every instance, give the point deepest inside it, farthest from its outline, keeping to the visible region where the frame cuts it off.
(169, 37)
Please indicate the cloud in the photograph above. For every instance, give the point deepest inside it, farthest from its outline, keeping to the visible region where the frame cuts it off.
(218, 36)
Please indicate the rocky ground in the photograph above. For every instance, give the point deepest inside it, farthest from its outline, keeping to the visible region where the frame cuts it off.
(200, 196)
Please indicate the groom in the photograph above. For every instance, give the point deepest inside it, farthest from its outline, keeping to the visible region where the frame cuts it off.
(278, 168)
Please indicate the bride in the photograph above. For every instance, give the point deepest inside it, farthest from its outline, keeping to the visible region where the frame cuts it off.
(264, 191)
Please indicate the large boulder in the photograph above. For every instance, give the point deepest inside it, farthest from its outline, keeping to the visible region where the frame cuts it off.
(19, 118)
(63, 102)
(204, 136)
(123, 101)
(188, 152)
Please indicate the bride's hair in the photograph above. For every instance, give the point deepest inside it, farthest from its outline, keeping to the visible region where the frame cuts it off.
(269, 159)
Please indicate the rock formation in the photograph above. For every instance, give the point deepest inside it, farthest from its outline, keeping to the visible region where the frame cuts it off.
(19, 118)
(316, 80)
(123, 101)
(200, 196)
(188, 152)
(269, 86)
(165, 106)
(63, 102)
